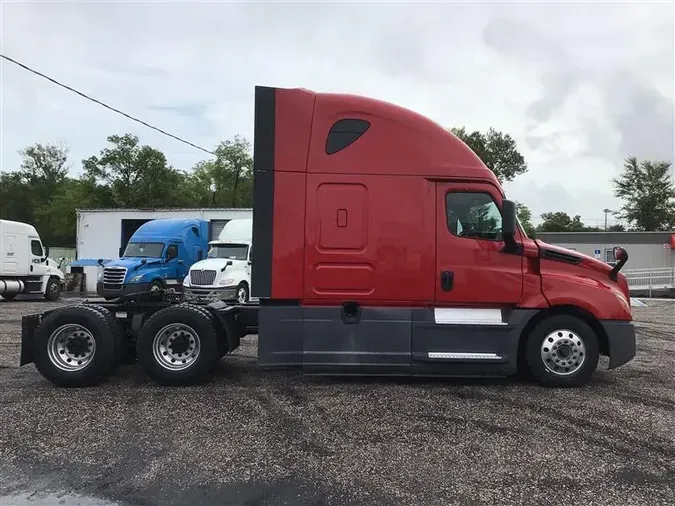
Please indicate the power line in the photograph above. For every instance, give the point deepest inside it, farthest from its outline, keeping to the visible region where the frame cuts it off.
(25, 67)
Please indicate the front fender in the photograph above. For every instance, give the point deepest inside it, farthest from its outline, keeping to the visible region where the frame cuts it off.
(603, 299)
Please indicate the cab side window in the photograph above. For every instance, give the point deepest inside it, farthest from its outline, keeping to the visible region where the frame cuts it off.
(171, 252)
(473, 214)
(36, 248)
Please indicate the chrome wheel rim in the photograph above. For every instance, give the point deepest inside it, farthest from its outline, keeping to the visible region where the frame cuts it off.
(71, 347)
(176, 346)
(563, 352)
(241, 294)
(154, 288)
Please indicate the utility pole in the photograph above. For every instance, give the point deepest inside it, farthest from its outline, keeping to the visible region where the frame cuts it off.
(606, 211)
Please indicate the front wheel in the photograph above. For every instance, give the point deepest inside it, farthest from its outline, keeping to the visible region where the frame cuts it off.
(53, 290)
(242, 293)
(562, 351)
(155, 285)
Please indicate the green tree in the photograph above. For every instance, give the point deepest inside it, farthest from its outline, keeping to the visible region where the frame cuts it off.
(226, 181)
(497, 150)
(648, 193)
(525, 217)
(137, 176)
(561, 222)
(28, 193)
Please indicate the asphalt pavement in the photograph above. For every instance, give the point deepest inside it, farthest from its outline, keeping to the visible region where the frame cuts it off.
(260, 438)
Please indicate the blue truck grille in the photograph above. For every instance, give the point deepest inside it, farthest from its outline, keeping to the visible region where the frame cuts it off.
(201, 277)
(113, 277)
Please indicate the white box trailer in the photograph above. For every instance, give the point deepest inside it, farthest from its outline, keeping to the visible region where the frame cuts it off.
(25, 267)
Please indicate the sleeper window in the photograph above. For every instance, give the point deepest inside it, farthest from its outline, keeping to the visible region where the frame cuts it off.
(36, 248)
(472, 214)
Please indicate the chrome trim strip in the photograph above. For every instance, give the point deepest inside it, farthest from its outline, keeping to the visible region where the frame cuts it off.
(464, 355)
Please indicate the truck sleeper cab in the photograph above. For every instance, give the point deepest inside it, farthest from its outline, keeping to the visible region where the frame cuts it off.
(226, 272)
(157, 256)
(410, 261)
(25, 266)
(384, 246)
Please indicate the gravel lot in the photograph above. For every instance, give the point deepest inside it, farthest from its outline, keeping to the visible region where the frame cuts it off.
(257, 438)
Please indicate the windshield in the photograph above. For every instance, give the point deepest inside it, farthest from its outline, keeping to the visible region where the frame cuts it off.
(229, 251)
(144, 249)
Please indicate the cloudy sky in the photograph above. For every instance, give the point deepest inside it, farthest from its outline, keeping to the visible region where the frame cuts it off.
(578, 85)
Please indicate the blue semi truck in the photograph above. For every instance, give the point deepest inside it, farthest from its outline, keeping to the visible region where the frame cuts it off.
(158, 255)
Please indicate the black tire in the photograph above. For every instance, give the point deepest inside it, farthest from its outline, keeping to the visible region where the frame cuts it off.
(53, 289)
(566, 334)
(243, 288)
(119, 335)
(102, 360)
(155, 285)
(197, 320)
(9, 296)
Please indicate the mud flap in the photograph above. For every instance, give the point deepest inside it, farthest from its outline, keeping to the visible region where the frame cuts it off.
(28, 325)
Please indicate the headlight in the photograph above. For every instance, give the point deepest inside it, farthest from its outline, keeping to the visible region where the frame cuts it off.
(227, 281)
(136, 278)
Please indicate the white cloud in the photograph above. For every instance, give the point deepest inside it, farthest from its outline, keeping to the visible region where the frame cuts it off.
(578, 85)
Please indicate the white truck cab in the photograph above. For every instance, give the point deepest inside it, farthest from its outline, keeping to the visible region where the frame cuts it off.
(225, 274)
(25, 267)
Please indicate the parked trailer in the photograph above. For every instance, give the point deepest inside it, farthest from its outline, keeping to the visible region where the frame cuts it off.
(384, 246)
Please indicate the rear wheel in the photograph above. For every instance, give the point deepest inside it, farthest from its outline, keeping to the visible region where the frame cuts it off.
(562, 351)
(119, 335)
(75, 346)
(178, 345)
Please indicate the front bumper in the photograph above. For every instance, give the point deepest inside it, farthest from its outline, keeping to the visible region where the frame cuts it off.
(620, 340)
(210, 292)
(124, 290)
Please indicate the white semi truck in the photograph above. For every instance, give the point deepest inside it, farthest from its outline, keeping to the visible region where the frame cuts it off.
(25, 267)
(226, 272)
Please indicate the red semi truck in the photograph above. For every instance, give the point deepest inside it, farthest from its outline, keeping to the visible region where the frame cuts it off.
(383, 245)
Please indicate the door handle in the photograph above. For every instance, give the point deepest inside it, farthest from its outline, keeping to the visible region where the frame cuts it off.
(447, 279)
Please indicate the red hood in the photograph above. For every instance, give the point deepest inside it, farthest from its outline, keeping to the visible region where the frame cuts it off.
(587, 260)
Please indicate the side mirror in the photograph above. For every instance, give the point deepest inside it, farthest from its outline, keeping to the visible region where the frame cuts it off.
(509, 225)
(621, 257)
(100, 262)
(508, 218)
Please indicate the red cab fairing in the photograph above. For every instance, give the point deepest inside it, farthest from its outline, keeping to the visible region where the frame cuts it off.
(572, 278)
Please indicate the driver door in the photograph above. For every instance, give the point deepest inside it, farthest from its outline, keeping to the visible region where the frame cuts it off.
(38, 267)
(171, 267)
(471, 269)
